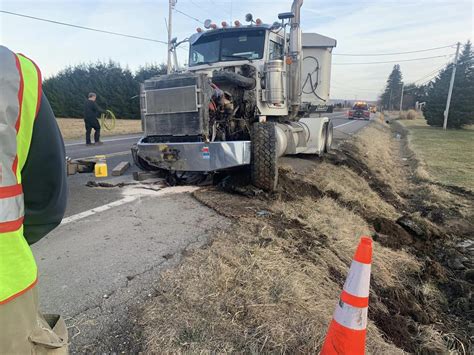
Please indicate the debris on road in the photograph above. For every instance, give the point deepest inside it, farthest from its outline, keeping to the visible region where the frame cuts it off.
(120, 168)
(74, 166)
(144, 175)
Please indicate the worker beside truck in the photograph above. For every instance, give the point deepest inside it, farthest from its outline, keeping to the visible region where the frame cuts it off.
(33, 195)
(91, 113)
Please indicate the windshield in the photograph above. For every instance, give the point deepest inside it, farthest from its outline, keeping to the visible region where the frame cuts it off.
(226, 46)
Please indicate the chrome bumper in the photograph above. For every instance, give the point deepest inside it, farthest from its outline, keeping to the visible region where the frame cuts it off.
(195, 156)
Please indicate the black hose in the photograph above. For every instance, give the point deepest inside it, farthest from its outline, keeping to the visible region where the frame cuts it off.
(309, 78)
(227, 77)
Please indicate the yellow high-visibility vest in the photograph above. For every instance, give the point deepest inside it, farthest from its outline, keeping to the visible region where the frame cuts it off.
(20, 98)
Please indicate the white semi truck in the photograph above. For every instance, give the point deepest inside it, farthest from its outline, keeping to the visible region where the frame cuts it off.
(251, 94)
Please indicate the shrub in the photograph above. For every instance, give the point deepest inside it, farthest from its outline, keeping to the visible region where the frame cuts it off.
(413, 115)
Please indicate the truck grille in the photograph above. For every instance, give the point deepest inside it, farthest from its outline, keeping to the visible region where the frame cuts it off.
(176, 105)
(171, 100)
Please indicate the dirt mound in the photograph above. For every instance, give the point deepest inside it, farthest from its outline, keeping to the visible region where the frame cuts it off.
(270, 282)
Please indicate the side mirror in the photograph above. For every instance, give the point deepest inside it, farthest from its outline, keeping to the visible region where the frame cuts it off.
(249, 17)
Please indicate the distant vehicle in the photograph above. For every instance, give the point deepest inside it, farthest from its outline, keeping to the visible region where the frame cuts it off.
(360, 110)
(373, 109)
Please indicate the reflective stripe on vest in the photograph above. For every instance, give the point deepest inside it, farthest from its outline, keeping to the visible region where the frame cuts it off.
(20, 97)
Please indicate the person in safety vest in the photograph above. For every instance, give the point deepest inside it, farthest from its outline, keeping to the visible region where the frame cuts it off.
(33, 195)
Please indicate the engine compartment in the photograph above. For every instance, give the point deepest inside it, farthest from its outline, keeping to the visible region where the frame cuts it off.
(196, 107)
(232, 107)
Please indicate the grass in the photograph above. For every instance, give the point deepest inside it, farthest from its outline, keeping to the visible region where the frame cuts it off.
(447, 156)
(74, 127)
(270, 284)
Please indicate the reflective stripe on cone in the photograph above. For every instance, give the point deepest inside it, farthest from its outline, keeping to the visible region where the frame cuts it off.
(347, 331)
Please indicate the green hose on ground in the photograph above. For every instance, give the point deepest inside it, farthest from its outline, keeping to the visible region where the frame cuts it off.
(107, 120)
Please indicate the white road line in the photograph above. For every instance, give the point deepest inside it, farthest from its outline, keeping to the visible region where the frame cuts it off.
(105, 141)
(345, 124)
(95, 210)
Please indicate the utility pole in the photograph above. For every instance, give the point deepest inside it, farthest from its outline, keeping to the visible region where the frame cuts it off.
(451, 84)
(401, 98)
(171, 5)
(390, 100)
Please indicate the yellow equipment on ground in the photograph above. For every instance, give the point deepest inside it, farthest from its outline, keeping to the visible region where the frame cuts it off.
(100, 168)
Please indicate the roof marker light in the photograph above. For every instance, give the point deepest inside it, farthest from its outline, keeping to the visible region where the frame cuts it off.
(258, 22)
(224, 24)
(213, 26)
(237, 23)
(199, 29)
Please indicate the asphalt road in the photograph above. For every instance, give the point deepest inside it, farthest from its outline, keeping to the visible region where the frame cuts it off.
(117, 149)
(98, 265)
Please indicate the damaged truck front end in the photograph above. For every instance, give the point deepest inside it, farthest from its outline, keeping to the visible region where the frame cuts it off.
(177, 137)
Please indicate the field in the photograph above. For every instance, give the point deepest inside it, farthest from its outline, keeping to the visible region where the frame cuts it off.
(447, 156)
(74, 127)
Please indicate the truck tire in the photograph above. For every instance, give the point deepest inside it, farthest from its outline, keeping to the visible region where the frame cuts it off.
(329, 136)
(263, 166)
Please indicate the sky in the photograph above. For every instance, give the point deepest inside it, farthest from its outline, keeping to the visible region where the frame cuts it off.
(360, 27)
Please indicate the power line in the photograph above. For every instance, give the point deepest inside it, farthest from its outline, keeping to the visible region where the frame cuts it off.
(396, 61)
(344, 87)
(189, 16)
(394, 53)
(84, 27)
(436, 71)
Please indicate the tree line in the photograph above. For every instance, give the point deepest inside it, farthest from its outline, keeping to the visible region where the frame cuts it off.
(434, 93)
(117, 88)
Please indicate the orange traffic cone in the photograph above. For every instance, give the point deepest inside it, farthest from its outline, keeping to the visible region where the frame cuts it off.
(346, 333)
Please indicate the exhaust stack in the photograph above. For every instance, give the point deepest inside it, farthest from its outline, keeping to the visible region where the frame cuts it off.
(294, 90)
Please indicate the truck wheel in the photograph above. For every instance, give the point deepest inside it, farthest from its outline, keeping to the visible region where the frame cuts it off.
(263, 166)
(329, 134)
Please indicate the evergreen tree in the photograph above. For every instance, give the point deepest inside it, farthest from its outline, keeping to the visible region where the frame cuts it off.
(461, 110)
(390, 98)
(117, 88)
(148, 71)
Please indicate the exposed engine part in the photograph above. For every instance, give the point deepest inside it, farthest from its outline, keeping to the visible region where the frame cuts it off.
(233, 105)
(222, 77)
(273, 92)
